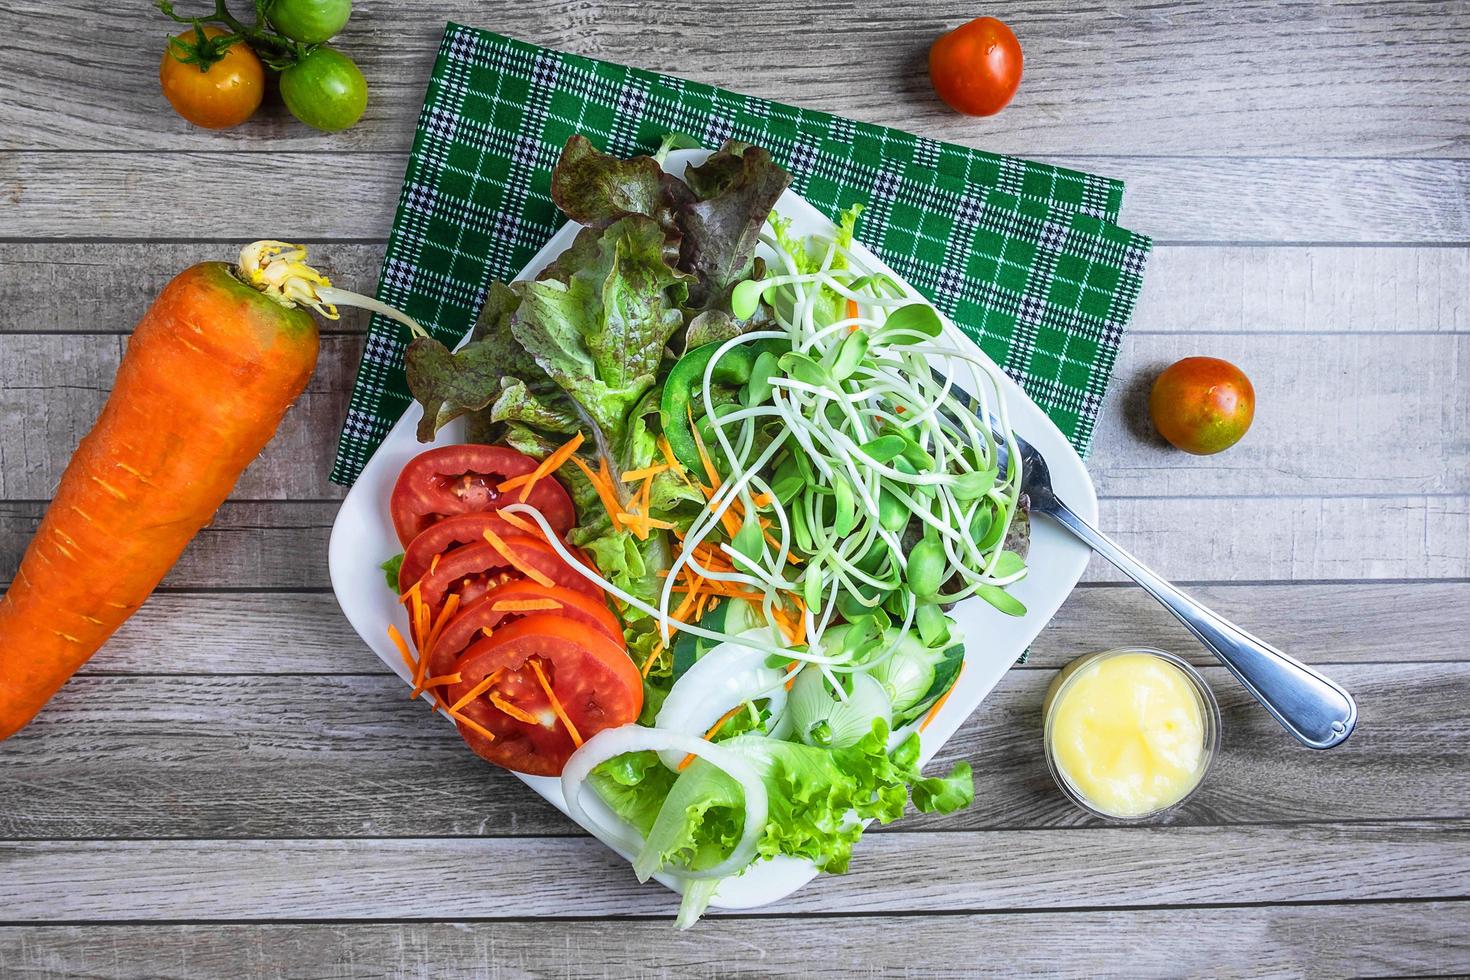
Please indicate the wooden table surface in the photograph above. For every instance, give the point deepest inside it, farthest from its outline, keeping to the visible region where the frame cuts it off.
(236, 787)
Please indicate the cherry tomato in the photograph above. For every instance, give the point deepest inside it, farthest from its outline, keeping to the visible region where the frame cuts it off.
(309, 21)
(325, 90)
(225, 94)
(496, 609)
(976, 67)
(463, 479)
(594, 682)
(472, 571)
(1202, 405)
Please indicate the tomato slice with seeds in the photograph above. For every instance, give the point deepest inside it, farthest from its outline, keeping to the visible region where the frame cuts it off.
(511, 601)
(590, 684)
(472, 571)
(464, 479)
(445, 537)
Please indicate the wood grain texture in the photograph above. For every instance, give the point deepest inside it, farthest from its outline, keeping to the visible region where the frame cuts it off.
(1308, 437)
(351, 756)
(133, 195)
(1324, 941)
(305, 633)
(1024, 869)
(1181, 78)
(1189, 289)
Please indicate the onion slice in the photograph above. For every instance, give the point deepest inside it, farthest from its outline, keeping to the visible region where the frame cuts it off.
(612, 742)
(718, 681)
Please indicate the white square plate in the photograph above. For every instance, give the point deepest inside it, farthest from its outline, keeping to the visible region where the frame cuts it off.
(362, 538)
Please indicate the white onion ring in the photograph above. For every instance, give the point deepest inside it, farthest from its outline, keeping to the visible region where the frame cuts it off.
(611, 742)
(724, 677)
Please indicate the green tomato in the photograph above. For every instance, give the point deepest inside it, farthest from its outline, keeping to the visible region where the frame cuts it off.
(325, 90)
(309, 21)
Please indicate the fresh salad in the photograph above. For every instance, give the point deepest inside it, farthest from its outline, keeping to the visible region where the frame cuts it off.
(720, 489)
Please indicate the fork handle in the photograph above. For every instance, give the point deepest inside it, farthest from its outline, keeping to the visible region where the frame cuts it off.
(1315, 710)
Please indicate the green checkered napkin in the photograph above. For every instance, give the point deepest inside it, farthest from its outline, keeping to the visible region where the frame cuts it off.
(1023, 256)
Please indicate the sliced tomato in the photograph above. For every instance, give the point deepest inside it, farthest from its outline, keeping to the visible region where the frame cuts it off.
(473, 570)
(511, 601)
(444, 537)
(464, 479)
(593, 681)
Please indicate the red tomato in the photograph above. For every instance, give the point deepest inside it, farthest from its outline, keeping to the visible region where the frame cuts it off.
(472, 571)
(594, 682)
(225, 94)
(490, 612)
(1202, 405)
(454, 480)
(447, 536)
(976, 67)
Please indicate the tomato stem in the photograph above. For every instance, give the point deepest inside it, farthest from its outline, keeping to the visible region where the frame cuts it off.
(277, 52)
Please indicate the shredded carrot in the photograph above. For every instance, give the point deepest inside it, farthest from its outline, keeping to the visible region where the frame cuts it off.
(633, 476)
(646, 522)
(761, 500)
(443, 680)
(472, 725)
(653, 656)
(549, 465)
(518, 713)
(525, 605)
(602, 482)
(713, 729)
(942, 698)
(555, 704)
(434, 562)
(474, 692)
(516, 561)
(427, 637)
(792, 667)
(852, 311)
(402, 645)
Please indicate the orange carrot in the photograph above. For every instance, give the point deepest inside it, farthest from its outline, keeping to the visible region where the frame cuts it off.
(549, 465)
(555, 704)
(942, 698)
(209, 371)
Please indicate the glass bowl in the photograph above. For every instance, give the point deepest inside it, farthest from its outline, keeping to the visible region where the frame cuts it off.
(1209, 710)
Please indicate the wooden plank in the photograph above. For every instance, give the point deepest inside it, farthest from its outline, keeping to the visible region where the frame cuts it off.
(1263, 539)
(133, 195)
(273, 545)
(104, 287)
(59, 383)
(1309, 436)
(279, 544)
(1171, 79)
(1188, 289)
(548, 877)
(1307, 289)
(350, 756)
(266, 633)
(1313, 941)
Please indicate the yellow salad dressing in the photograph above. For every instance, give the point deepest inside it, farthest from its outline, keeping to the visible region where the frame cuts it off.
(1127, 731)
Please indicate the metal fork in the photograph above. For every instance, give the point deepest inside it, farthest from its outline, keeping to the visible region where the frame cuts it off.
(1316, 711)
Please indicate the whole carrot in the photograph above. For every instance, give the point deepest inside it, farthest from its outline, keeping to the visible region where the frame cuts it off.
(208, 374)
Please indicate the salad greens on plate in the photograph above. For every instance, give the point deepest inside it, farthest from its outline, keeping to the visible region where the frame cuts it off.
(778, 479)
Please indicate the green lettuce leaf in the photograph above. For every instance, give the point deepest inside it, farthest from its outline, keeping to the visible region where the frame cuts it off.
(634, 785)
(818, 798)
(601, 335)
